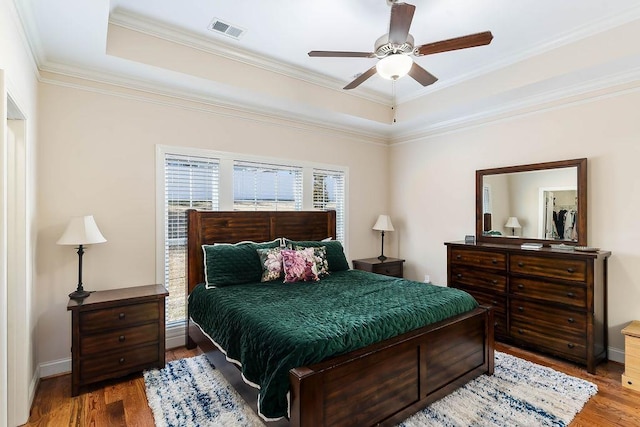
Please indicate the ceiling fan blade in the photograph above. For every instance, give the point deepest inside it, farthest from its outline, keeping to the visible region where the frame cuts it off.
(421, 75)
(472, 40)
(334, 54)
(361, 78)
(401, 17)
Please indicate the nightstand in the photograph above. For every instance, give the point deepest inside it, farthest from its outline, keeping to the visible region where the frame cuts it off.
(388, 267)
(115, 333)
(631, 376)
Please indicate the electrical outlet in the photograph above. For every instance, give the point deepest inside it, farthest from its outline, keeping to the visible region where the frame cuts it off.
(426, 278)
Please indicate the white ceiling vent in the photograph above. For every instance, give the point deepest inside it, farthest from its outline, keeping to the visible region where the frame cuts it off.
(225, 28)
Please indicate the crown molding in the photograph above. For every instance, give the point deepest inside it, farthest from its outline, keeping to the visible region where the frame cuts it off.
(587, 30)
(22, 15)
(86, 79)
(174, 34)
(613, 85)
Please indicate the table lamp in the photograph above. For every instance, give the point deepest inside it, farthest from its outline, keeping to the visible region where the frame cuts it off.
(383, 224)
(512, 223)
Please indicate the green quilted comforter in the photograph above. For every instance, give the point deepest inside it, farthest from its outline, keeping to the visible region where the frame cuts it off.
(270, 328)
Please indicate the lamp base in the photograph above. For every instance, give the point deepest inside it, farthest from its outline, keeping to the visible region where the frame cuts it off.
(79, 294)
(382, 257)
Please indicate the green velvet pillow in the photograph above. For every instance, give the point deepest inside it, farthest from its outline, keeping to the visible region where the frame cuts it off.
(335, 252)
(226, 264)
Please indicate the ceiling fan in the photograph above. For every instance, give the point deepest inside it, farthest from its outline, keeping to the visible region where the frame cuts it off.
(394, 49)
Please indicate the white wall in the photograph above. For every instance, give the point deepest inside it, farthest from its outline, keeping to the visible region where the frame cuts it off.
(21, 85)
(97, 156)
(433, 187)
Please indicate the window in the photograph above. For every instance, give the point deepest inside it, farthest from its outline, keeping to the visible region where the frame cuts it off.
(266, 187)
(190, 183)
(203, 179)
(486, 199)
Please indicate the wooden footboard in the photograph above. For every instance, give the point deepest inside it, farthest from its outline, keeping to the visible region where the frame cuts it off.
(385, 383)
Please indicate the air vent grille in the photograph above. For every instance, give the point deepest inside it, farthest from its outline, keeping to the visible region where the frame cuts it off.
(225, 28)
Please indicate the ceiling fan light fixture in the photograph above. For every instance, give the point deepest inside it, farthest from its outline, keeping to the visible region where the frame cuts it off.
(394, 66)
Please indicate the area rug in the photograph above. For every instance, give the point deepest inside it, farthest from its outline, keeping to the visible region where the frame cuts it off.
(191, 392)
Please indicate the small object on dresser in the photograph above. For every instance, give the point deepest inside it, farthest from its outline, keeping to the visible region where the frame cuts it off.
(531, 245)
(470, 238)
(587, 249)
(562, 247)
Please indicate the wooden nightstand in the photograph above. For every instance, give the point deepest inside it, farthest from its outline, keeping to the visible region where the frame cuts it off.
(388, 267)
(631, 376)
(115, 333)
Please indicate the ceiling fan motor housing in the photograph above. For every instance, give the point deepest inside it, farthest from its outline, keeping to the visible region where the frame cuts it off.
(384, 48)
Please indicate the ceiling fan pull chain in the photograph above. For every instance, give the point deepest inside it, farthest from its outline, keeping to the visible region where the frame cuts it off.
(393, 99)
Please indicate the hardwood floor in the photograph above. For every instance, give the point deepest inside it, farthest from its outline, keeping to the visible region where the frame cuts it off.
(123, 402)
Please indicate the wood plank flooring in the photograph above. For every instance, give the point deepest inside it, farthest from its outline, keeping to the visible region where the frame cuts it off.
(123, 402)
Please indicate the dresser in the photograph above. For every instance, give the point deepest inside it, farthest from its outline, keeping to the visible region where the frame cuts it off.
(388, 267)
(552, 301)
(116, 332)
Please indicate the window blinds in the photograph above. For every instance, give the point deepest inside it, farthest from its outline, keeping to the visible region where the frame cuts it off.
(328, 194)
(266, 187)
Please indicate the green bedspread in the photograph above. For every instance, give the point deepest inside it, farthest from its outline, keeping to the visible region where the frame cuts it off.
(272, 327)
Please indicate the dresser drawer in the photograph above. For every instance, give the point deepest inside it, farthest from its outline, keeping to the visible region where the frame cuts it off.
(392, 269)
(479, 279)
(571, 346)
(567, 269)
(553, 321)
(108, 366)
(475, 258)
(119, 339)
(559, 293)
(118, 317)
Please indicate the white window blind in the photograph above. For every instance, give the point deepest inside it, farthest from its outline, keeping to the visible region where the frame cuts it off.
(328, 194)
(190, 183)
(486, 199)
(266, 187)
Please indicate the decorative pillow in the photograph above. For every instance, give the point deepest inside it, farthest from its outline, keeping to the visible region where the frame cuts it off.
(298, 266)
(271, 263)
(226, 264)
(319, 255)
(335, 252)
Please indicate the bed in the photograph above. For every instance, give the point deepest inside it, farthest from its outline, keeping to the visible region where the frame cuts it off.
(378, 384)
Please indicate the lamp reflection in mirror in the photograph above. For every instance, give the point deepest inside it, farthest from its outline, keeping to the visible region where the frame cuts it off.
(82, 230)
(383, 224)
(512, 223)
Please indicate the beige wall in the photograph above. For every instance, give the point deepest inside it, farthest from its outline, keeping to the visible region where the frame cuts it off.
(97, 156)
(433, 191)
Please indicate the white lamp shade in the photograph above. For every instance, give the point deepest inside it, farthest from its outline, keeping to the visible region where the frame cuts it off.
(512, 222)
(394, 66)
(383, 223)
(82, 230)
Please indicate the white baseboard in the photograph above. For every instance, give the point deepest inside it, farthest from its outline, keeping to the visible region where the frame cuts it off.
(55, 367)
(616, 355)
(175, 336)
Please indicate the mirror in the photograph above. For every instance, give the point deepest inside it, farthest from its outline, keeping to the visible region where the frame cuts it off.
(543, 202)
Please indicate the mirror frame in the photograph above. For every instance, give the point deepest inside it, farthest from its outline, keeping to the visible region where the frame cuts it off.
(581, 180)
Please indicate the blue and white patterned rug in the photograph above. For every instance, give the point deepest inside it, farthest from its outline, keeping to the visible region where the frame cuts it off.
(190, 392)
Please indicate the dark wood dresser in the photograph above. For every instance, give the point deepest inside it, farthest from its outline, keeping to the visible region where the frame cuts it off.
(553, 301)
(388, 267)
(117, 332)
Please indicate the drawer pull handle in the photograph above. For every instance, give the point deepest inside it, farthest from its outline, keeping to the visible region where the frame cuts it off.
(571, 294)
(386, 271)
(121, 338)
(494, 261)
(494, 302)
(572, 320)
(494, 281)
(520, 309)
(520, 331)
(459, 275)
(495, 324)
(521, 264)
(570, 345)
(520, 286)
(121, 360)
(121, 316)
(570, 270)
(458, 256)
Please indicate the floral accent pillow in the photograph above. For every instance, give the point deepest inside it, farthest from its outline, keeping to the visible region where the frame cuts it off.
(319, 254)
(271, 262)
(299, 265)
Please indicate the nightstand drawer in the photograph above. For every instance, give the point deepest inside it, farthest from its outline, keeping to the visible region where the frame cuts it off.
(394, 269)
(119, 362)
(568, 269)
(119, 339)
(118, 317)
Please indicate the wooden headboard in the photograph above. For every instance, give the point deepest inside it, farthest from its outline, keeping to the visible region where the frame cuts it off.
(209, 227)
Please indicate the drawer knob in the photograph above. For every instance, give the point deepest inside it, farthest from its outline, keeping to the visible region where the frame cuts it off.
(495, 324)
(458, 256)
(494, 281)
(121, 338)
(572, 320)
(520, 286)
(521, 264)
(459, 275)
(121, 316)
(520, 309)
(386, 271)
(121, 360)
(571, 294)
(494, 302)
(571, 345)
(520, 331)
(570, 270)
(494, 261)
